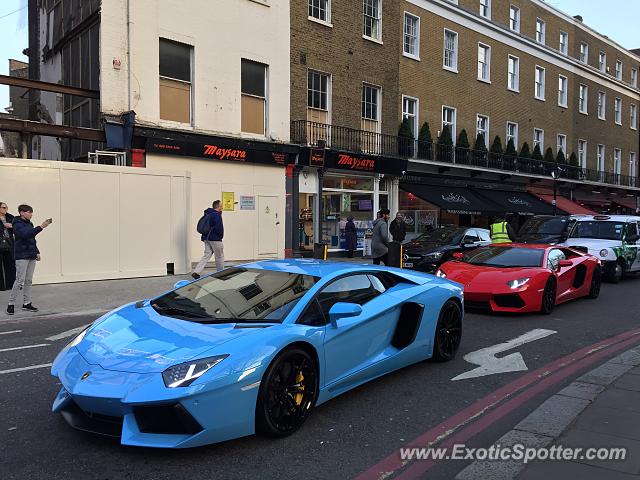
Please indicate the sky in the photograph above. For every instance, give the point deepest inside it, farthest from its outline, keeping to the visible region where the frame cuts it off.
(618, 19)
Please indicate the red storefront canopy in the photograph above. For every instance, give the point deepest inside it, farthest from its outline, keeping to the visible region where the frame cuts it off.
(567, 205)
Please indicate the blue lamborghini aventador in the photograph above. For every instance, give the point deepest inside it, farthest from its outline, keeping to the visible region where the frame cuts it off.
(253, 348)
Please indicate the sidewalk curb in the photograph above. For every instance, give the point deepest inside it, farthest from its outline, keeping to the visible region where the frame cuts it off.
(39, 316)
(553, 417)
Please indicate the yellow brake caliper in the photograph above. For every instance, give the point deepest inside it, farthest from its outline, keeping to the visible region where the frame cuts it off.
(298, 396)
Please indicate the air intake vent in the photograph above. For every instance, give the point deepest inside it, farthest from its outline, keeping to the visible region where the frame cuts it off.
(250, 291)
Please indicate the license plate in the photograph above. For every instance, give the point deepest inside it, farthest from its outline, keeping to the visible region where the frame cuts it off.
(407, 264)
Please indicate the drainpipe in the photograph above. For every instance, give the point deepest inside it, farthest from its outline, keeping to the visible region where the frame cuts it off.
(129, 54)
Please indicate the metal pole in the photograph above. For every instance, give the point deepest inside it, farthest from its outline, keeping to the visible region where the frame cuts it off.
(554, 197)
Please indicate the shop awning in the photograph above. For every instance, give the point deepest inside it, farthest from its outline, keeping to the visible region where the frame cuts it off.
(626, 202)
(454, 200)
(567, 205)
(522, 203)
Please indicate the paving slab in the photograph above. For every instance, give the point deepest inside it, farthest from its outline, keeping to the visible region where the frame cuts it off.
(630, 357)
(586, 391)
(571, 470)
(629, 382)
(553, 416)
(586, 439)
(605, 374)
(619, 398)
(610, 421)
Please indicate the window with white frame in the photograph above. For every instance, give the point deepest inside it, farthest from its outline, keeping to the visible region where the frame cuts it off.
(512, 133)
(633, 166)
(538, 138)
(634, 77)
(584, 52)
(582, 153)
(618, 70)
(450, 54)
(562, 144)
(600, 158)
(318, 97)
(562, 91)
(411, 35)
(254, 113)
(514, 18)
(449, 119)
(540, 30)
(602, 62)
(617, 163)
(482, 127)
(320, 10)
(602, 105)
(370, 122)
(617, 111)
(513, 75)
(485, 8)
(410, 111)
(539, 83)
(564, 43)
(583, 99)
(484, 62)
(176, 93)
(372, 15)
(633, 116)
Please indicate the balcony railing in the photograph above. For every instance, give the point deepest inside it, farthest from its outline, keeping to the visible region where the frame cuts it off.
(359, 141)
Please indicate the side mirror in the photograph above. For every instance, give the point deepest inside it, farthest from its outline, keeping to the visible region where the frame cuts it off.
(458, 255)
(565, 263)
(343, 310)
(181, 284)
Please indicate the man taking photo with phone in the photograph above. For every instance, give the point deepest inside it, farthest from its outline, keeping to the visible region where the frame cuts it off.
(26, 255)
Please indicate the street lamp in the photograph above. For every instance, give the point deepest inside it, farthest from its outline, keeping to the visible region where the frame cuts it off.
(555, 174)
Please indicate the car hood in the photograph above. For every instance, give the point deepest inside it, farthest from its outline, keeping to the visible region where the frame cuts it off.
(481, 276)
(594, 244)
(425, 248)
(139, 340)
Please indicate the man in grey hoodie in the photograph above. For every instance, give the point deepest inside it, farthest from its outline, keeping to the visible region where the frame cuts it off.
(379, 249)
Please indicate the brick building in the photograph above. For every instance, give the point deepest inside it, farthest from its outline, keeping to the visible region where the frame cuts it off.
(520, 70)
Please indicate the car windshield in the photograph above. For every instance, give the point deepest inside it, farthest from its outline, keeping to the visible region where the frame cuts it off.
(496, 256)
(442, 236)
(545, 226)
(236, 295)
(598, 229)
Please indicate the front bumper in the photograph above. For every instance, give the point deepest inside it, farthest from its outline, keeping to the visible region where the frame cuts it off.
(514, 301)
(142, 411)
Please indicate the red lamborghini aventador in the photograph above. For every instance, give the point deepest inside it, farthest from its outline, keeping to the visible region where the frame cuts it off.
(512, 277)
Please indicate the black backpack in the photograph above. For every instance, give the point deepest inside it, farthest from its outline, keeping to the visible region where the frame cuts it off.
(204, 225)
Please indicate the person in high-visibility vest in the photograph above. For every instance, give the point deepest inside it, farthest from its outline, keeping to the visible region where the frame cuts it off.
(501, 231)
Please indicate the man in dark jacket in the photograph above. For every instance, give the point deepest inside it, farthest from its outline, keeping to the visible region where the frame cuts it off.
(26, 254)
(398, 228)
(212, 240)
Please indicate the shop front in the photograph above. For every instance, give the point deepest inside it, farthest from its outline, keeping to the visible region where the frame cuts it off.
(248, 176)
(334, 186)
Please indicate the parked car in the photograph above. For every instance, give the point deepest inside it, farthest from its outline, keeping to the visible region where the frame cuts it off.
(431, 249)
(614, 239)
(549, 229)
(516, 277)
(252, 348)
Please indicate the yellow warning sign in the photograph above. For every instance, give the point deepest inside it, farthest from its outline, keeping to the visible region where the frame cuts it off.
(227, 201)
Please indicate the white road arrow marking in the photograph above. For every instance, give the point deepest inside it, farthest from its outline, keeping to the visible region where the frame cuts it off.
(12, 331)
(489, 364)
(24, 346)
(68, 333)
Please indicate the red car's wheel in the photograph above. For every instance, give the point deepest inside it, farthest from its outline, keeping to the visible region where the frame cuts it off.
(596, 281)
(549, 297)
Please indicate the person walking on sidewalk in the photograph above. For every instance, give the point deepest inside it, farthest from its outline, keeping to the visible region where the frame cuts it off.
(7, 262)
(380, 238)
(212, 240)
(398, 228)
(26, 255)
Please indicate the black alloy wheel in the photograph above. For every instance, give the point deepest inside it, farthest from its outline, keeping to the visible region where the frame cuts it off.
(549, 297)
(448, 332)
(288, 393)
(596, 282)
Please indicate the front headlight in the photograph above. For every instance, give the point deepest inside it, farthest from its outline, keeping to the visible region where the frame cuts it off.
(433, 256)
(604, 252)
(441, 274)
(184, 374)
(513, 284)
